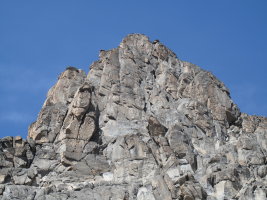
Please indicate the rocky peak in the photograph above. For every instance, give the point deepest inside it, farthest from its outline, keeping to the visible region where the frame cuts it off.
(141, 125)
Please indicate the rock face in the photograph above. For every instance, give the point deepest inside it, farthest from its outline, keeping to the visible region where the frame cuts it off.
(141, 125)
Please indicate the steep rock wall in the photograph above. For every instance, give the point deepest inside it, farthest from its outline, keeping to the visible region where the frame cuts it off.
(141, 125)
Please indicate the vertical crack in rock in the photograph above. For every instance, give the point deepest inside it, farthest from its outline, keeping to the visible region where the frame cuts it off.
(141, 125)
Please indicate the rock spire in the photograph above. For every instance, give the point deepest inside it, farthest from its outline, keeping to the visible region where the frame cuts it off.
(141, 125)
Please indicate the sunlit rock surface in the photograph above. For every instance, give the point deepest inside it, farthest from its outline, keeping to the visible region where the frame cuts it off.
(141, 125)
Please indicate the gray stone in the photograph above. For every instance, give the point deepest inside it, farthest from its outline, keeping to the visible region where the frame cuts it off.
(141, 125)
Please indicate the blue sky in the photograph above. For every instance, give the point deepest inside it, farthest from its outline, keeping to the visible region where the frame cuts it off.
(38, 39)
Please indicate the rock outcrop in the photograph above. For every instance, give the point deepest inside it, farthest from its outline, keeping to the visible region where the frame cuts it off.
(141, 125)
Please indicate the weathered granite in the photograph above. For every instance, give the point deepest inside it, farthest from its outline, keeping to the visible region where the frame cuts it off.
(142, 125)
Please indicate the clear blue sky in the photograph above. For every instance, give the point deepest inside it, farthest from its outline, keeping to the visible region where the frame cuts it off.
(38, 39)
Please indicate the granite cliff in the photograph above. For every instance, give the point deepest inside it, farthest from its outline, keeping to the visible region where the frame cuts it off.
(141, 125)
